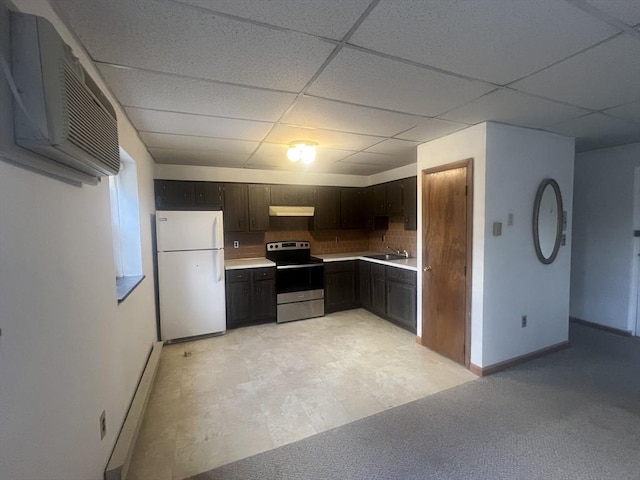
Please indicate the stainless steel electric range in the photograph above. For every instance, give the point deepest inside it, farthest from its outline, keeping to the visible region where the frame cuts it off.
(299, 280)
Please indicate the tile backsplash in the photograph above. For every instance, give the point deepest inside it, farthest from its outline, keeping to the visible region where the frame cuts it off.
(396, 237)
(325, 241)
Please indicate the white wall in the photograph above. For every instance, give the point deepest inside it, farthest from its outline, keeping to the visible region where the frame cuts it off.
(605, 263)
(67, 350)
(508, 280)
(516, 283)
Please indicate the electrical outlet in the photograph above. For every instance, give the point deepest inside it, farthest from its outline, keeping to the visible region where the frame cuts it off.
(236, 244)
(524, 321)
(510, 219)
(103, 424)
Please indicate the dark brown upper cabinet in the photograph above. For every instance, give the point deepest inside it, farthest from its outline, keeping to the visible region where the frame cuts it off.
(174, 195)
(379, 199)
(326, 201)
(236, 212)
(351, 207)
(187, 195)
(371, 221)
(259, 197)
(387, 198)
(410, 203)
(395, 198)
(291, 195)
(208, 194)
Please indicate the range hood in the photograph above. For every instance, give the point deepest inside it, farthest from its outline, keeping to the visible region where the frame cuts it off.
(289, 211)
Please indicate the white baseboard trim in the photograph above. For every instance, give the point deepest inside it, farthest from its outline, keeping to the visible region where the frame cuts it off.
(118, 465)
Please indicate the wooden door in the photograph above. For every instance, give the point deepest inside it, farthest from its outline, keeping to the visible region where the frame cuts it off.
(446, 230)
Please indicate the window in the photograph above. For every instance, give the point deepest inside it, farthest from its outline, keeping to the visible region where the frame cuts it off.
(125, 223)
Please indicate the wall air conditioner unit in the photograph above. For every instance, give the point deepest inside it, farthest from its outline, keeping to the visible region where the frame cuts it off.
(59, 112)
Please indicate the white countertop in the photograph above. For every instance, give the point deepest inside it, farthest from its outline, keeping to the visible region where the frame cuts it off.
(257, 262)
(406, 263)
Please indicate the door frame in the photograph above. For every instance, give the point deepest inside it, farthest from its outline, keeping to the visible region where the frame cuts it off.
(634, 303)
(468, 163)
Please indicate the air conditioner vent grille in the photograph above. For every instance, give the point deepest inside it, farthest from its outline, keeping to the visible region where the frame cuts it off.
(90, 127)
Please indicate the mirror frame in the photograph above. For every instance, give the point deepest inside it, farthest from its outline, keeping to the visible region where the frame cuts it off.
(547, 182)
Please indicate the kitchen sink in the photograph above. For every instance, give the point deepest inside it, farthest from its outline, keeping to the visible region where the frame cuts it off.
(386, 256)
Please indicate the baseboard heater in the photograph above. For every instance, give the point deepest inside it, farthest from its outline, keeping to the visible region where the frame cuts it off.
(118, 465)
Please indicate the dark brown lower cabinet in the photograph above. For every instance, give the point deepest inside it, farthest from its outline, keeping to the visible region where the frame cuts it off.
(401, 304)
(378, 290)
(340, 281)
(364, 281)
(389, 292)
(251, 296)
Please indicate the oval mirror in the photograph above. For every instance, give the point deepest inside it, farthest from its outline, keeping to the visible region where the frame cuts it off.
(547, 221)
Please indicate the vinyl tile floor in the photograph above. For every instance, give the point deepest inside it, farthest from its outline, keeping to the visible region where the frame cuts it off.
(224, 398)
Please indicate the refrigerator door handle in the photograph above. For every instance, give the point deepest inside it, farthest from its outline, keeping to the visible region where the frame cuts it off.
(218, 238)
(218, 265)
(215, 232)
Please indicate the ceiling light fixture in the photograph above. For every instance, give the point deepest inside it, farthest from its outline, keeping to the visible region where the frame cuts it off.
(304, 151)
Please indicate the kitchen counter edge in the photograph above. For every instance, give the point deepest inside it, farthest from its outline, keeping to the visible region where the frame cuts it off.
(406, 263)
(239, 263)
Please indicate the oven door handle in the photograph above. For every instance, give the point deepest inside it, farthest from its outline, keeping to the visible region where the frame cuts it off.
(306, 265)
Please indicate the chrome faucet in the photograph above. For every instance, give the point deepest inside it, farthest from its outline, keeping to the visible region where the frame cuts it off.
(404, 253)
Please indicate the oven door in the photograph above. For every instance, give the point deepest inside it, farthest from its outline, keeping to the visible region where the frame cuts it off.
(299, 278)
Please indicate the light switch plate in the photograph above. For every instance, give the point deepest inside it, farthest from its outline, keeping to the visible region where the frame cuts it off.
(497, 229)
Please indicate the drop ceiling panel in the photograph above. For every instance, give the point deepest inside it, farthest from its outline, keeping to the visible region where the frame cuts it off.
(602, 77)
(319, 113)
(430, 129)
(197, 157)
(142, 88)
(327, 18)
(394, 146)
(324, 138)
(198, 125)
(185, 142)
(355, 169)
(272, 154)
(366, 79)
(627, 11)
(498, 40)
(629, 111)
(388, 161)
(598, 131)
(171, 37)
(514, 108)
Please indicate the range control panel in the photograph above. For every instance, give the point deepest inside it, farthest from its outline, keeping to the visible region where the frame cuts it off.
(289, 245)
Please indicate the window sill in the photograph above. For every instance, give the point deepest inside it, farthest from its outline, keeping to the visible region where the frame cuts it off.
(126, 285)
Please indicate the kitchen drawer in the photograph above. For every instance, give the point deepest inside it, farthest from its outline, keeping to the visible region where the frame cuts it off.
(401, 275)
(341, 266)
(238, 275)
(267, 273)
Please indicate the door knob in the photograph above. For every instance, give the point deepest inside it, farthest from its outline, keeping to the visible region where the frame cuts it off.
(427, 268)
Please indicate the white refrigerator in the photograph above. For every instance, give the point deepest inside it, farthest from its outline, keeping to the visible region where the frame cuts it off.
(190, 273)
